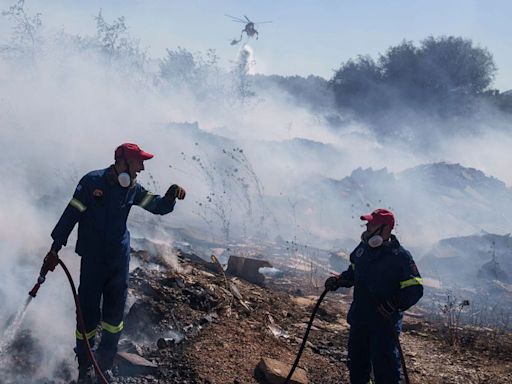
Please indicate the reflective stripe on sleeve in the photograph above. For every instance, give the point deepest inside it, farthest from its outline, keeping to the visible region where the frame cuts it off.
(112, 328)
(78, 205)
(411, 282)
(146, 200)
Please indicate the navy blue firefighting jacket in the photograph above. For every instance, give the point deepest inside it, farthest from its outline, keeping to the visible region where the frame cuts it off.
(386, 273)
(101, 206)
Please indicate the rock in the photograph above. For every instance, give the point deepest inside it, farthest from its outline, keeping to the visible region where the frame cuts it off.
(270, 371)
(199, 298)
(142, 314)
(208, 318)
(174, 282)
(147, 289)
(130, 364)
(165, 342)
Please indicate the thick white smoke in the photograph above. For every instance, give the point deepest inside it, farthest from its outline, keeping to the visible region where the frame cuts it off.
(65, 108)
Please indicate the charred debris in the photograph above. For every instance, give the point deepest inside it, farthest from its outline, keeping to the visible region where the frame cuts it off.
(221, 320)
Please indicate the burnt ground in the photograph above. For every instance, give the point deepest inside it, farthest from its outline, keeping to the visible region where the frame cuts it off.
(218, 328)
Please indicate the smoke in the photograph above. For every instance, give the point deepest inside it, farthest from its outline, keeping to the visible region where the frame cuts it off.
(255, 163)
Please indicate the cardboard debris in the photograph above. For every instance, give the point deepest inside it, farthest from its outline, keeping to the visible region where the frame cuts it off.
(247, 268)
(130, 364)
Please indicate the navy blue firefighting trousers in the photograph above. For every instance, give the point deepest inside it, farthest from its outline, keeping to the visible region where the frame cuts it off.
(102, 295)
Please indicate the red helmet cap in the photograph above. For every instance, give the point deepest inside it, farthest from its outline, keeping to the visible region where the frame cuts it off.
(380, 216)
(129, 151)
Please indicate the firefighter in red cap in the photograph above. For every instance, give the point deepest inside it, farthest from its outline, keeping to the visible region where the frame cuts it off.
(100, 205)
(386, 283)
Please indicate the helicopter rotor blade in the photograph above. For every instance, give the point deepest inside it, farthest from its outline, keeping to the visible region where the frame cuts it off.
(246, 18)
(234, 18)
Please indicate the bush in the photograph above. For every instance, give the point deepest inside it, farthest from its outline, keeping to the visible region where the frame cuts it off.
(442, 74)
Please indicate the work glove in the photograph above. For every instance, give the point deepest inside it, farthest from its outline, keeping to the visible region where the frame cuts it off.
(335, 282)
(175, 192)
(331, 284)
(51, 260)
(388, 308)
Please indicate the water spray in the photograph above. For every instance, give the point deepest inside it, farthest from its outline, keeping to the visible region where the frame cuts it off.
(10, 333)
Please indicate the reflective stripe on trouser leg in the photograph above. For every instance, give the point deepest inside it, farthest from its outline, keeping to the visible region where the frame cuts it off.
(81, 347)
(88, 335)
(107, 349)
(92, 278)
(114, 299)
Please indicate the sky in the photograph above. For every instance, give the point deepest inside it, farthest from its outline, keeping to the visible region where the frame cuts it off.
(305, 37)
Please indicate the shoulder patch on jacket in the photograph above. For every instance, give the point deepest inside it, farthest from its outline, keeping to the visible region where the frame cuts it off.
(97, 193)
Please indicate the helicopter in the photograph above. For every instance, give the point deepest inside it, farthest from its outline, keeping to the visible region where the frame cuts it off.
(249, 28)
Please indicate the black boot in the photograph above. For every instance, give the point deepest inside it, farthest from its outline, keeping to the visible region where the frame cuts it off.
(108, 375)
(85, 375)
(105, 359)
(85, 369)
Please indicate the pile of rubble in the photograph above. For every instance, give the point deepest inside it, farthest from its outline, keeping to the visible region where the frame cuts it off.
(206, 325)
(201, 324)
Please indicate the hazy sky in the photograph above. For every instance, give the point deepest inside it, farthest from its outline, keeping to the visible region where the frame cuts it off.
(305, 37)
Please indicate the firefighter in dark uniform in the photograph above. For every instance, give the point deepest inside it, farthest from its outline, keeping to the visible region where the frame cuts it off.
(386, 283)
(100, 205)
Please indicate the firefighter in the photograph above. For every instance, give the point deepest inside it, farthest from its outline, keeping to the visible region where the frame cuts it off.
(100, 205)
(386, 283)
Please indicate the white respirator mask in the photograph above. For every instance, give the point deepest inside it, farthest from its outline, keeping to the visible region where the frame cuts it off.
(124, 179)
(375, 239)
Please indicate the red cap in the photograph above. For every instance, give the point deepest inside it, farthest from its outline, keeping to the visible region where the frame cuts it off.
(129, 151)
(380, 216)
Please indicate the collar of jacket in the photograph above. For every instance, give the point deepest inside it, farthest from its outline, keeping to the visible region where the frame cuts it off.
(111, 175)
(390, 245)
(393, 243)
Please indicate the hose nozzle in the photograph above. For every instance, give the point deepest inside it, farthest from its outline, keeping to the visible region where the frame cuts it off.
(50, 262)
(34, 290)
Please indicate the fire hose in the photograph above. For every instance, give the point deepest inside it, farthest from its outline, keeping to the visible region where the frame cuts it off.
(308, 329)
(49, 265)
(305, 338)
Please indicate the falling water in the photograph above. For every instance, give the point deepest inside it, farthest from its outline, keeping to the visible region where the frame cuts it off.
(12, 329)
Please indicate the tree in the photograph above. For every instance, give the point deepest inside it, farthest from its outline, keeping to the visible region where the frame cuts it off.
(400, 66)
(445, 75)
(117, 47)
(197, 72)
(179, 67)
(25, 36)
(356, 84)
(110, 36)
(452, 64)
